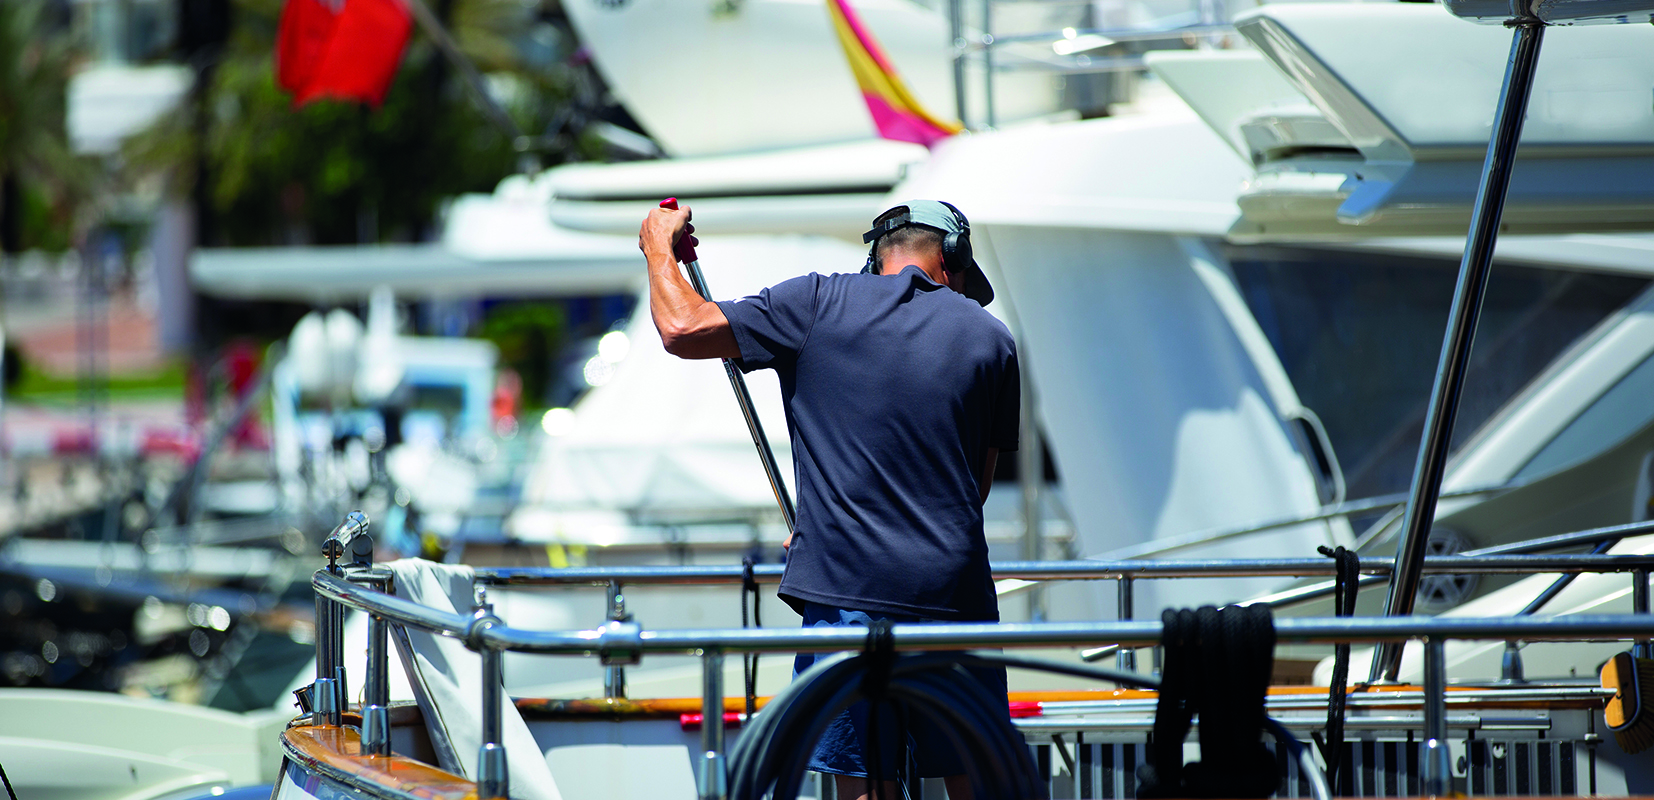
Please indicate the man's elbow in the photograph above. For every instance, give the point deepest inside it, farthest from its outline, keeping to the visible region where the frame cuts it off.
(680, 340)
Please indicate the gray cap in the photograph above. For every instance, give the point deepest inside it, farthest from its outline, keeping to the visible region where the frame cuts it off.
(942, 217)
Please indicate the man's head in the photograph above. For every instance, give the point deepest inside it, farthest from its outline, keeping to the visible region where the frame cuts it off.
(929, 230)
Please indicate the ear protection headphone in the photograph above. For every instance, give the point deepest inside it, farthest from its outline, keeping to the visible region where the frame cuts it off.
(956, 247)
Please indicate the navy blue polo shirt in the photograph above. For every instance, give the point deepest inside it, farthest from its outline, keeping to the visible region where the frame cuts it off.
(895, 387)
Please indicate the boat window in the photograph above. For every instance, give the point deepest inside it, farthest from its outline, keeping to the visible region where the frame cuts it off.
(1359, 333)
(1618, 413)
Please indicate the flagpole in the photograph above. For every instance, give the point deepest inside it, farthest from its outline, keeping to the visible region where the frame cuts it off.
(473, 79)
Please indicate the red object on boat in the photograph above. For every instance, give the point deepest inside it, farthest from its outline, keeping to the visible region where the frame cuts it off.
(301, 38)
(348, 52)
(692, 722)
(1022, 709)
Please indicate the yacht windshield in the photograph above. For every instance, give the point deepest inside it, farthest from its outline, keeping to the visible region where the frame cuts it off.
(1359, 333)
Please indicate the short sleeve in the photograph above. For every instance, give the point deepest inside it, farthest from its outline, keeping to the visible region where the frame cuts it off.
(1007, 415)
(771, 327)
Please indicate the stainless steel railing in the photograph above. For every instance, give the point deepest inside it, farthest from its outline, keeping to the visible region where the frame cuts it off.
(621, 642)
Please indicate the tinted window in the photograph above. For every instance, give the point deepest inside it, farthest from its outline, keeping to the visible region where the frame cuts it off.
(1359, 334)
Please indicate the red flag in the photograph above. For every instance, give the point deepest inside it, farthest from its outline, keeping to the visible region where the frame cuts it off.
(356, 58)
(306, 27)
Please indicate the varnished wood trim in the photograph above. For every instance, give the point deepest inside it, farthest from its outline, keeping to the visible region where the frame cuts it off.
(671, 707)
(337, 753)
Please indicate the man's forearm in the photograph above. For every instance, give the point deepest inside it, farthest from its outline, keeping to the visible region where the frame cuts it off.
(689, 325)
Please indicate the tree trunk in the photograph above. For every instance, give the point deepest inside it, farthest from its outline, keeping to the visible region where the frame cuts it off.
(11, 214)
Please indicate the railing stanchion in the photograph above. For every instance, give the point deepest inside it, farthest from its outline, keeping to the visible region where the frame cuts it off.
(714, 783)
(1639, 604)
(614, 677)
(1437, 770)
(376, 730)
(493, 775)
(1127, 658)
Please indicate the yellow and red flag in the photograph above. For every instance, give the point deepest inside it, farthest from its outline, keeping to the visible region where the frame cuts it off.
(896, 112)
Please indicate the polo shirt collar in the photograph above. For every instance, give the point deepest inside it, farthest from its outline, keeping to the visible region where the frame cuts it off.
(914, 268)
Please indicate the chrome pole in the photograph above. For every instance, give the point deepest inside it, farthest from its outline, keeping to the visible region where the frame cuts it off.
(714, 782)
(988, 63)
(1031, 474)
(742, 397)
(1438, 777)
(376, 731)
(1127, 657)
(614, 677)
(1461, 330)
(956, 27)
(1639, 605)
(493, 775)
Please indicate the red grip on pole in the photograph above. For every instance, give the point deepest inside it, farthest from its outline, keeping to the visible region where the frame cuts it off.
(684, 250)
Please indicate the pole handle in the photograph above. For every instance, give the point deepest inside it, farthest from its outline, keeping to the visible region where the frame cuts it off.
(684, 249)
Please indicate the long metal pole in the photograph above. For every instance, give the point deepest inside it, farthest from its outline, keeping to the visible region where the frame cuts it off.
(956, 26)
(783, 498)
(988, 64)
(1639, 605)
(1031, 472)
(1461, 329)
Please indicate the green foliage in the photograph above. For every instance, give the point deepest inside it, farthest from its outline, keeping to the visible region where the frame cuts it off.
(334, 172)
(40, 172)
(527, 334)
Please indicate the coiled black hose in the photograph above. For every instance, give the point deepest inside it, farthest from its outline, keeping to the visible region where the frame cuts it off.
(775, 748)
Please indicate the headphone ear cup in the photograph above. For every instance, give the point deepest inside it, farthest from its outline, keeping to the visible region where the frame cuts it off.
(950, 252)
(962, 252)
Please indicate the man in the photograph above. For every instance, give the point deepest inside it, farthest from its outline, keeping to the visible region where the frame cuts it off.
(901, 390)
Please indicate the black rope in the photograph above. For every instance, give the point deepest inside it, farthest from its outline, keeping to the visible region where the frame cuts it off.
(749, 661)
(880, 652)
(1217, 664)
(1347, 580)
(7, 782)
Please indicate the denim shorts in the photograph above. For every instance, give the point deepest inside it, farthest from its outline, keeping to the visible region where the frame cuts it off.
(843, 745)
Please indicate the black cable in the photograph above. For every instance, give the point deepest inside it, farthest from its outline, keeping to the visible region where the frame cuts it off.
(749, 661)
(1347, 577)
(7, 781)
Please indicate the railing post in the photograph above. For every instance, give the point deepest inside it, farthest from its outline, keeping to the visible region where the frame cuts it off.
(376, 729)
(1438, 776)
(1127, 658)
(1639, 604)
(614, 676)
(1461, 330)
(326, 698)
(493, 773)
(714, 783)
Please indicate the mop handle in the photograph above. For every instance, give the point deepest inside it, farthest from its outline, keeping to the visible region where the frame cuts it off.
(685, 252)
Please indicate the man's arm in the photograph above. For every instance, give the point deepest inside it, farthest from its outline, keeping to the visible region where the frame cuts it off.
(987, 480)
(689, 325)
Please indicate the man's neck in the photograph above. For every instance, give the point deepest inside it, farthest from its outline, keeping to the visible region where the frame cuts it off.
(928, 261)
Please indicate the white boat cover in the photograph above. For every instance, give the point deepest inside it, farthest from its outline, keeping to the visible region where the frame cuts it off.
(664, 435)
(447, 681)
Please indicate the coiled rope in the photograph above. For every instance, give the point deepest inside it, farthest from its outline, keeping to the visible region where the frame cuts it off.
(1347, 580)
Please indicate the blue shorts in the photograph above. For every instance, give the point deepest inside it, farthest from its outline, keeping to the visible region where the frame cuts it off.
(844, 743)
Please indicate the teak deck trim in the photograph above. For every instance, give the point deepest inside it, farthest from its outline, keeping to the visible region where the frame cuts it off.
(337, 753)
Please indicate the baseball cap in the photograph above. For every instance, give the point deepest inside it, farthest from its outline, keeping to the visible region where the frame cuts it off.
(941, 217)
